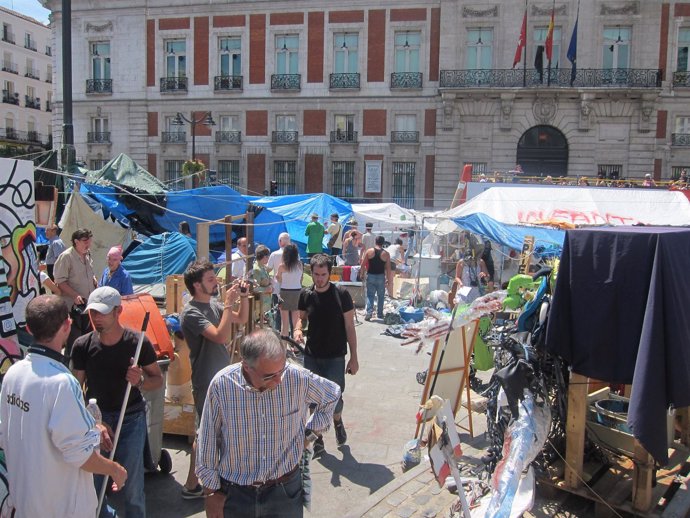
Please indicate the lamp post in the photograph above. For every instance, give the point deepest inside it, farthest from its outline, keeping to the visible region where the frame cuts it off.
(206, 119)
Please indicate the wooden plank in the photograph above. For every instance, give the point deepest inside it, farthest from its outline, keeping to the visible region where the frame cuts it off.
(642, 478)
(575, 430)
(684, 414)
(202, 246)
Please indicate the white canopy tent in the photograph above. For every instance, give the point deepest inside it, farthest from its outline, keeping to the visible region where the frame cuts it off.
(384, 216)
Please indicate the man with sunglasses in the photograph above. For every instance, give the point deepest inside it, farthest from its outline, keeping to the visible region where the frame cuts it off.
(253, 428)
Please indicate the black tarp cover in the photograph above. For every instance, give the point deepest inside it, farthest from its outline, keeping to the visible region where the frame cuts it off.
(621, 313)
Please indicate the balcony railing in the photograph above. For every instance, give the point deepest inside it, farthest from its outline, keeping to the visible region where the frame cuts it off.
(406, 80)
(174, 137)
(10, 98)
(32, 102)
(680, 139)
(344, 81)
(229, 137)
(405, 137)
(584, 78)
(227, 83)
(285, 81)
(344, 137)
(49, 106)
(173, 84)
(8, 37)
(285, 137)
(33, 137)
(8, 66)
(32, 73)
(681, 79)
(30, 45)
(98, 137)
(49, 78)
(99, 86)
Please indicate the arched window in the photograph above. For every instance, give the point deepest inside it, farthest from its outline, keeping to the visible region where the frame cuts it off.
(543, 151)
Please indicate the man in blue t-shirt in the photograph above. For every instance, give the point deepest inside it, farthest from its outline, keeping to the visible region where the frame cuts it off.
(115, 275)
(329, 311)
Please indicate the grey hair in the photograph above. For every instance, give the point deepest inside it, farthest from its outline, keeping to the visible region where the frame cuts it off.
(284, 238)
(261, 344)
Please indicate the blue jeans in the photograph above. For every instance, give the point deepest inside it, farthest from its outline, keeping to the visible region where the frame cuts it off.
(376, 285)
(130, 454)
(332, 369)
(280, 501)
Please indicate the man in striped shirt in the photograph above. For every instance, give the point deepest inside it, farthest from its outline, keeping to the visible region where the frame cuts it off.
(253, 428)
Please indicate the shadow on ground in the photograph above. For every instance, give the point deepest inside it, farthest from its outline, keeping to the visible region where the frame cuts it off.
(371, 476)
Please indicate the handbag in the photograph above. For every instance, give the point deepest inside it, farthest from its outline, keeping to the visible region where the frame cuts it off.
(334, 237)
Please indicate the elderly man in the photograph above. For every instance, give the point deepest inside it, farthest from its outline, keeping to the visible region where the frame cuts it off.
(55, 248)
(75, 277)
(248, 465)
(115, 275)
(102, 361)
(49, 438)
(239, 263)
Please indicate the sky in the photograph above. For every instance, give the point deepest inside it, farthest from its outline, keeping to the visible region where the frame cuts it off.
(28, 7)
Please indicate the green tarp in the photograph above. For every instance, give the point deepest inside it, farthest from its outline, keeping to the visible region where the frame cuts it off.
(124, 171)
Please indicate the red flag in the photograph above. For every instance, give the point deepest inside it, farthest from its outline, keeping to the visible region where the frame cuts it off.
(548, 44)
(521, 41)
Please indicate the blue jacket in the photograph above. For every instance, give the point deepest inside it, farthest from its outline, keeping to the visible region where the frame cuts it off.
(120, 280)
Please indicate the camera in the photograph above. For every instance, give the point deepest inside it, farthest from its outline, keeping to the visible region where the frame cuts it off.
(78, 309)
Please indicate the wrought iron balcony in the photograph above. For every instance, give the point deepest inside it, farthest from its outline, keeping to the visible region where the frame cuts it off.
(405, 137)
(8, 37)
(49, 106)
(584, 78)
(285, 137)
(345, 81)
(33, 136)
(285, 81)
(680, 139)
(344, 137)
(32, 102)
(681, 79)
(9, 134)
(406, 80)
(174, 137)
(29, 44)
(173, 84)
(8, 66)
(10, 98)
(227, 83)
(98, 137)
(229, 137)
(32, 73)
(99, 86)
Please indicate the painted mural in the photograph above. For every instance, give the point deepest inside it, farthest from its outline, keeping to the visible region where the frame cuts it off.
(19, 263)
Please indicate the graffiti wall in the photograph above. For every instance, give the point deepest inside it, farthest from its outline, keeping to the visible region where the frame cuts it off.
(19, 263)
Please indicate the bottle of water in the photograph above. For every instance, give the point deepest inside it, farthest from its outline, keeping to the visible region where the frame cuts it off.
(94, 410)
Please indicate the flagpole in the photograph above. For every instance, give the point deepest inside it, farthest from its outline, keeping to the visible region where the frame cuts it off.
(553, 15)
(524, 52)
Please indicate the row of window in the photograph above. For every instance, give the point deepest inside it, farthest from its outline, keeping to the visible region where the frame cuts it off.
(29, 41)
(11, 96)
(285, 175)
(479, 52)
(8, 65)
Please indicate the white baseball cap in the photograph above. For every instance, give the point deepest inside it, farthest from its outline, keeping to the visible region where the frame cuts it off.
(104, 300)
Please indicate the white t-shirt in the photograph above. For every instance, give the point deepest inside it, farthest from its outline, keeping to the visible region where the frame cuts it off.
(47, 435)
(238, 267)
(368, 240)
(274, 261)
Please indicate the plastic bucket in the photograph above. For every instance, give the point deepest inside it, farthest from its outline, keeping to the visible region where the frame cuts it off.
(613, 413)
(416, 315)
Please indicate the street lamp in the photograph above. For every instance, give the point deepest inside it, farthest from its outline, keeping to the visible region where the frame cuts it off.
(206, 119)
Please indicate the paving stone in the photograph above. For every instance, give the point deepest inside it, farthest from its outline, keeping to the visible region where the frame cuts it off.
(412, 487)
(379, 511)
(435, 490)
(396, 498)
(422, 500)
(405, 512)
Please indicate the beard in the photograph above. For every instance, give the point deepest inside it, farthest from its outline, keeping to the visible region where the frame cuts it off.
(321, 283)
(214, 292)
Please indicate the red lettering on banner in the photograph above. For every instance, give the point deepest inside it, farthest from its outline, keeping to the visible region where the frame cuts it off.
(576, 217)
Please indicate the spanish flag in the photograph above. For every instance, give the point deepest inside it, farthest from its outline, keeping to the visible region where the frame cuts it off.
(548, 44)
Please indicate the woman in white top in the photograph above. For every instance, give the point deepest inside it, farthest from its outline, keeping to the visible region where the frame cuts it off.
(289, 277)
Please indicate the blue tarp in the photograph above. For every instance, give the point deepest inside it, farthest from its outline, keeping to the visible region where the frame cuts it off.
(159, 256)
(547, 241)
(109, 199)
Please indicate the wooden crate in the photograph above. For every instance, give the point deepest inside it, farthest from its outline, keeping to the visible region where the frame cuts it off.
(179, 419)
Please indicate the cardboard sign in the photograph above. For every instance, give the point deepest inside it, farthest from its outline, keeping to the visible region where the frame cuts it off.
(526, 255)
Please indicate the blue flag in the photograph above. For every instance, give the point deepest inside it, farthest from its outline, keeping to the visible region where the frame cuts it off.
(572, 52)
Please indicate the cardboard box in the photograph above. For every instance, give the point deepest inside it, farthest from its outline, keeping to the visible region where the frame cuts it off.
(179, 419)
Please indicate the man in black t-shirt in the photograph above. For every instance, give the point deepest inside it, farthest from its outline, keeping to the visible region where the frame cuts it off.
(329, 311)
(102, 359)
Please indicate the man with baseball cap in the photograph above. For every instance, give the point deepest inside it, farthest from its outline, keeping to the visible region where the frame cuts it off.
(368, 238)
(102, 360)
(314, 233)
(115, 275)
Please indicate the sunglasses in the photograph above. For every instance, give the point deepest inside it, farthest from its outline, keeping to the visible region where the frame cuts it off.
(270, 377)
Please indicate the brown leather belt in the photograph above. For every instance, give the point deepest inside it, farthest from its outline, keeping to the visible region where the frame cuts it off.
(268, 483)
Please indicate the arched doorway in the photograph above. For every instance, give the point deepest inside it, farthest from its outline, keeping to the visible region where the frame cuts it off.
(542, 151)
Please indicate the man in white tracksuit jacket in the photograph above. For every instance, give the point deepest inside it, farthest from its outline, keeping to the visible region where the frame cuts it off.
(50, 440)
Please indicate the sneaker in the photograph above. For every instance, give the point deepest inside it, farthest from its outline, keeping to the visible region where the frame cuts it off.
(340, 433)
(380, 317)
(367, 318)
(191, 494)
(319, 447)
